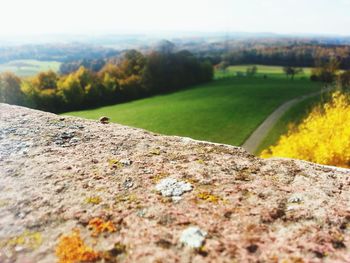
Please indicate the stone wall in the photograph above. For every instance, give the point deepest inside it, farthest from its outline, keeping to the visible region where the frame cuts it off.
(73, 189)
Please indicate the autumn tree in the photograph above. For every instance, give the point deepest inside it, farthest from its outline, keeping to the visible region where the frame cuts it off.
(45, 80)
(129, 72)
(71, 91)
(45, 99)
(41, 91)
(344, 80)
(109, 80)
(10, 89)
(89, 84)
(133, 75)
(325, 71)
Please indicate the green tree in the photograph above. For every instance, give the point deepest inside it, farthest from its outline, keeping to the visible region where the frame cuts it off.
(251, 71)
(222, 66)
(292, 71)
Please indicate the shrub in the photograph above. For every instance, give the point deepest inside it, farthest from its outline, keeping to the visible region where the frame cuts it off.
(322, 137)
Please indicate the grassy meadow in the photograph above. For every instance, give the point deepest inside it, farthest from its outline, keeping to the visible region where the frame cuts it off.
(226, 110)
(29, 67)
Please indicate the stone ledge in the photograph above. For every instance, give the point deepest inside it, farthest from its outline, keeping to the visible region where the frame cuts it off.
(56, 174)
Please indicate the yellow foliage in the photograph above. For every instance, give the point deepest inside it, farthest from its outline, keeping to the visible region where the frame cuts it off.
(72, 249)
(322, 137)
(98, 226)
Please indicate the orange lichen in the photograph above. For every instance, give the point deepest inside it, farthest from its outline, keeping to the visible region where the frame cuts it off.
(98, 226)
(72, 249)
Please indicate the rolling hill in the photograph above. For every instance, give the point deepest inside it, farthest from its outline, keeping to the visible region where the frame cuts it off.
(226, 110)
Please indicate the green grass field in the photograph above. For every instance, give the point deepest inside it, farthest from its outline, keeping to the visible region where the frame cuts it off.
(293, 116)
(225, 110)
(28, 67)
(270, 71)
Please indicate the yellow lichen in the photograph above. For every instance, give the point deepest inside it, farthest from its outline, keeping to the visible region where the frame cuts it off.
(98, 226)
(155, 152)
(28, 240)
(130, 198)
(293, 260)
(71, 249)
(200, 161)
(95, 200)
(156, 178)
(206, 196)
(191, 180)
(110, 255)
(3, 202)
(113, 163)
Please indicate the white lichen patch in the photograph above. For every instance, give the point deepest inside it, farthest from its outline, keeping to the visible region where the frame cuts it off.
(193, 237)
(170, 187)
(295, 200)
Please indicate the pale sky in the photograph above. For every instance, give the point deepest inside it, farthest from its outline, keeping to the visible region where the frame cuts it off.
(27, 17)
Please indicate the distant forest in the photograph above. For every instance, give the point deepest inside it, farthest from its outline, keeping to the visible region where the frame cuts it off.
(55, 52)
(283, 51)
(296, 56)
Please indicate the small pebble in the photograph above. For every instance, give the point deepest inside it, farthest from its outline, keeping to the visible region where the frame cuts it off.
(104, 120)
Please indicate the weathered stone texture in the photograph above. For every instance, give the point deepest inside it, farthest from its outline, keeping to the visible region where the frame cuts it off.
(56, 174)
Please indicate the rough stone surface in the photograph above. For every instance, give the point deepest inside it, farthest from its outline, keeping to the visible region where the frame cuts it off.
(58, 173)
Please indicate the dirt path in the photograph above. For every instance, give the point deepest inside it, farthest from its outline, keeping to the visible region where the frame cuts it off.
(255, 139)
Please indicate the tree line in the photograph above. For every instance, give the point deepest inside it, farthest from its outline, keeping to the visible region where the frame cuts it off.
(55, 52)
(293, 55)
(134, 75)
